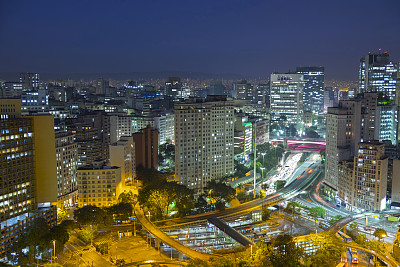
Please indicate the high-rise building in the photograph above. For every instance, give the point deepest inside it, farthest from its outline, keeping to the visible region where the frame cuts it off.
(30, 81)
(244, 90)
(287, 98)
(146, 147)
(122, 154)
(165, 124)
(102, 86)
(28, 175)
(67, 164)
(204, 137)
(314, 84)
(370, 177)
(35, 101)
(90, 146)
(378, 73)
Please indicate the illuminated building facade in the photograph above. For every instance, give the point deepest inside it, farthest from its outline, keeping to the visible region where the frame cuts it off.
(99, 185)
(287, 98)
(204, 138)
(146, 147)
(28, 177)
(377, 73)
(370, 177)
(67, 164)
(122, 154)
(313, 92)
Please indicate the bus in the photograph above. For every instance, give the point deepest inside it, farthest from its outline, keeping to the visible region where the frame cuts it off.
(323, 225)
(354, 255)
(345, 237)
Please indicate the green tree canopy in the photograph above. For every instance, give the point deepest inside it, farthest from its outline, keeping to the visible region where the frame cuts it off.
(380, 233)
(90, 215)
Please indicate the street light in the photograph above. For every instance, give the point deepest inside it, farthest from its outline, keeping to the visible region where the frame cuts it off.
(263, 154)
(54, 251)
(262, 173)
(149, 216)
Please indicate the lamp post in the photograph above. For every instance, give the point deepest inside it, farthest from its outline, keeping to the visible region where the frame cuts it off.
(263, 154)
(54, 251)
(149, 216)
(262, 173)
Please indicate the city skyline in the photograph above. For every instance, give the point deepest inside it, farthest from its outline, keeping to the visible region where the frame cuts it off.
(250, 39)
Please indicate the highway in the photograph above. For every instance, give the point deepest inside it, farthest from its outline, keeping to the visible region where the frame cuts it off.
(286, 193)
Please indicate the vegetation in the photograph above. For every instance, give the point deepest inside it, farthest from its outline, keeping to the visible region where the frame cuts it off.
(167, 155)
(280, 252)
(38, 238)
(335, 219)
(380, 233)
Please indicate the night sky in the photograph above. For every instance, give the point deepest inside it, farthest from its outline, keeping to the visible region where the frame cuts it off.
(252, 38)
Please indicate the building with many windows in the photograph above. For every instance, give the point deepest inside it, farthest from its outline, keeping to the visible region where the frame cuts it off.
(204, 138)
(378, 73)
(99, 185)
(313, 92)
(28, 176)
(67, 164)
(287, 98)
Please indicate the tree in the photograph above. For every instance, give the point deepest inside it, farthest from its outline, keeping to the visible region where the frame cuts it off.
(286, 253)
(68, 225)
(127, 197)
(266, 213)
(335, 219)
(317, 212)
(380, 233)
(361, 239)
(220, 191)
(60, 235)
(329, 251)
(37, 237)
(121, 211)
(184, 201)
(62, 215)
(292, 207)
(90, 215)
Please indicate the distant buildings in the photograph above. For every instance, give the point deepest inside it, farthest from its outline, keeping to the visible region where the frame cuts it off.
(244, 90)
(29, 81)
(203, 141)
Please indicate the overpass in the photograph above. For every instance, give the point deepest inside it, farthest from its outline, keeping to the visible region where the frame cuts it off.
(302, 144)
(241, 239)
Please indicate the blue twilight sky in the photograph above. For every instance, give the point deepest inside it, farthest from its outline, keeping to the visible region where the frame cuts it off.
(246, 37)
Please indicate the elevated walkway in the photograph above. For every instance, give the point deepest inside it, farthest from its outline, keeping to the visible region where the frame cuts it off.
(241, 239)
(165, 238)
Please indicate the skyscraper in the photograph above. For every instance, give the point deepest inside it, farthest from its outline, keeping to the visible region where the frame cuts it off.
(314, 84)
(146, 147)
(378, 73)
(287, 98)
(30, 81)
(203, 141)
(28, 175)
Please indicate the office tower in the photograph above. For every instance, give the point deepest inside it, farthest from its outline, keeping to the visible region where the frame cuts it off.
(35, 101)
(122, 154)
(98, 185)
(146, 147)
(370, 174)
(287, 98)
(244, 90)
(67, 164)
(90, 146)
(29, 81)
(173, 87)
(243, 137)
(314, 84)
(264, 88)
(11, 89)
(203, 141)
(361, 119)
(378, 73)
(102, 86)
(216, 88)
(165, 124)
(28, 174)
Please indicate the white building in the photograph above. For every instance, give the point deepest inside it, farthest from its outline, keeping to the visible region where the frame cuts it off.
(204, 138)
(67, 162)
(287, 98)
(165, 125)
